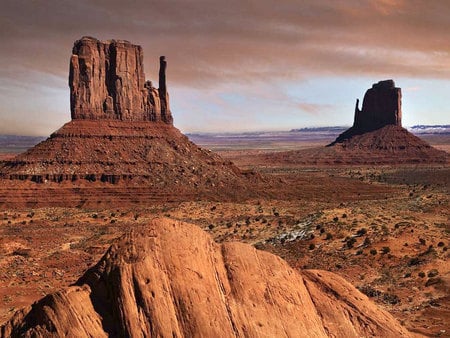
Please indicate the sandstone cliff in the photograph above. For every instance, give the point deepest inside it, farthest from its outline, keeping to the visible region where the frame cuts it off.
(107, 81)
(170, 279)
(121, 131)
(382, 106)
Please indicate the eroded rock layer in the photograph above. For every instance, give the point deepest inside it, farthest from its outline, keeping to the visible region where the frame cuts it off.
(107, 81)
(156, 154)
(170, 279)
(388, 145)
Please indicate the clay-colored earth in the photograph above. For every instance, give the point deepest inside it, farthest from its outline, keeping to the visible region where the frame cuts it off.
(385, 229)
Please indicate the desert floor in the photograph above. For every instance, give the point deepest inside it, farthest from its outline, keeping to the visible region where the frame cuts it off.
(383, 228)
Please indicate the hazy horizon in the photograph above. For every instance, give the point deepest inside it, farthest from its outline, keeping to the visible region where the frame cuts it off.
(241, 67)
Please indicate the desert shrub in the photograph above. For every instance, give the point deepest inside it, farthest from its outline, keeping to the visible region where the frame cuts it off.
(322, 230)
(385, 250)
(367, 241)
(211, 226)
(113, 214)
(335, 219)
(24, 222)
(373, 252)
(359, 252)
(390, 298)
(328, 236)
(213, 208)
(440, 244)
(433, 273)
(385, 229)
(414, 261)
(369, 291)
(421, 274)
(422, 241)
(433, 281)
(350, 242)
(361, 232)
(113, 221)
(312, 246)
(407, 275)
(344, 215)
(229, 225)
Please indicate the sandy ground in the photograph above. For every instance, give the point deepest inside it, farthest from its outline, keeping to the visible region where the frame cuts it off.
(385, 229)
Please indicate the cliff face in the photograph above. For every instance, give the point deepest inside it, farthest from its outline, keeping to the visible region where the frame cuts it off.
(107, 81)
(382, 106)
(121, 130)
(170, 279)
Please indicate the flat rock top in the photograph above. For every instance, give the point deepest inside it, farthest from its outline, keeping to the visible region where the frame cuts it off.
(170, 279)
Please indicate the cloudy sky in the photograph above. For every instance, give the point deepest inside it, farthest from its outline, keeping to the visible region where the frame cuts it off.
(234, 65)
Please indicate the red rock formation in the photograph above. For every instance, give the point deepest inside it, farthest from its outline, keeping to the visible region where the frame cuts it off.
(170, 279)
(121, 130)
(107, 81)
(382, 106)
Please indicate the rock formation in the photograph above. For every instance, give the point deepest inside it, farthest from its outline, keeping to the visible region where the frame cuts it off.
(107, 81)
(170, 279)
(121, 130)
(376, 137)
(382, 106)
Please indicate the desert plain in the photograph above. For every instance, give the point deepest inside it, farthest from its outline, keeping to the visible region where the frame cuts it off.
(384, 228)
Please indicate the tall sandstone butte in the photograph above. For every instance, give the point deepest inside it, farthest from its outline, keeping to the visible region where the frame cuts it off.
(382, 106)
(107, 81)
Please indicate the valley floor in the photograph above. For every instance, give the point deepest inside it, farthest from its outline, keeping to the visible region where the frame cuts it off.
(385, 229)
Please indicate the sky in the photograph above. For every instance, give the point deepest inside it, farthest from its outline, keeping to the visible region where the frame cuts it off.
(234, 65)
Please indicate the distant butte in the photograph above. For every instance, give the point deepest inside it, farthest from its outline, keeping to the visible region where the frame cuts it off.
(382, 106)
(376, 137)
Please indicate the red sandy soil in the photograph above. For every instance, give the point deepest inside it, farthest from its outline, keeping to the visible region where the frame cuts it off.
(383, 228)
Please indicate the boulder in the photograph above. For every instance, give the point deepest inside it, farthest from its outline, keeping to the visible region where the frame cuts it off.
(170, 279)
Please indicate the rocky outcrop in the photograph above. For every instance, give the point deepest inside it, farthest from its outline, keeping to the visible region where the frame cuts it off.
(107, 81)
(382, 106)
(121, 131)
(170, 279)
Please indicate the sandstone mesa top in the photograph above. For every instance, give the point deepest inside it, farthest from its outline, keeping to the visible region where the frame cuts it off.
(107, 81)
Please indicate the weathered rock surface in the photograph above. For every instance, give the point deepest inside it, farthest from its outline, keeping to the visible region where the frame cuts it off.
(382, 106)
(170, 279)
(107, 81)
(388, 145)
(133, 154)
(121, 131)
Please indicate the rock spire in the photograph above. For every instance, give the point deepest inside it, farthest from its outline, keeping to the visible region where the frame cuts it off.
(107, 81)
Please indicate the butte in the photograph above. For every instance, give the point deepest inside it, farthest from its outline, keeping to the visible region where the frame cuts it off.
(376, 137)
(121, 134)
